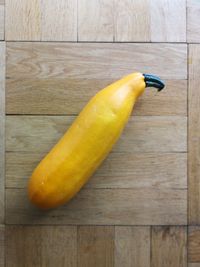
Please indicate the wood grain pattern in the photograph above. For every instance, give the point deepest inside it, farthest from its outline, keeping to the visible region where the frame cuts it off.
(94, 61)
(2, 128)
(193, 21)
(61, 78)
(193, 132)
(96, 246)
(171, 101)
(41, 246)
(132, 21)
(132, 246)
(104, 206)
(142, 134)
(194, 244)
(140, 204)
(168, 20)
(169, 247)
(59, 20)
(99, 20)
(2, 78)
(41, 20)
(67, 96)
(2, 167)
(155, 20)
(95, 20)
(2, 246)
(23, 20)
(120, 170)
(2, 12)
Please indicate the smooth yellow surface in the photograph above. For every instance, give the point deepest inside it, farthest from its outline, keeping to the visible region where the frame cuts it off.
(68, 166)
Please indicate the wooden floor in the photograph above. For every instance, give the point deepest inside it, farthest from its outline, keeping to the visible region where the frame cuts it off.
(142, 207)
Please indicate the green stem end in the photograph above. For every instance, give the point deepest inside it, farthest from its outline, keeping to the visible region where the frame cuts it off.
(153, 81)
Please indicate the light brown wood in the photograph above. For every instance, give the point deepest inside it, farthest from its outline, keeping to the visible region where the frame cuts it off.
(193, 21)
(155, 20)
(168, 20)
(2, 129)
(144, 181)
(96, 246)
(132, 246)
(41, 20)
(142, 134)
(95, 20)
(23, 20)
(194, 244)
(193, 131)
(171, 101)
(2, 78)
(67, 96)
(93, 61)
(2, 12)
(104, 206)
(2, 246)
(120, 170)
(59, 20)
(18, 126)
(41, 246)
(132, 21)
(169, 246)
(2, 168)
(138, 206)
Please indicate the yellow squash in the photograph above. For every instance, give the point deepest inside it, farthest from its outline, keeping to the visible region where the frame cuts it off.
(68, 166)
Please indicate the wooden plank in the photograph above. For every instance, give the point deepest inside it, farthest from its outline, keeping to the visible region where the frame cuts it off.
(194, 264)
(194, 244)
(132, 21)
(120, 170)
(41, 20)
(59, 20)
(2, 128)
(2, 246)
(2, 78)
(132, 246)
(104, 206)
(171, 101)
(2, 21)
(96, 246)
(95, 20)
(71, 96)
(193, 21)
(74, 91)
(169, 246)
(63, 95)
(2, 167)
(23, 20)
(168, 20)
(41, 246)
(142, 134)
(193, 134)
(93, 61)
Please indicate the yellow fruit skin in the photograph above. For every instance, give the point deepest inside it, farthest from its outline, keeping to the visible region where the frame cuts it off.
(68, 166)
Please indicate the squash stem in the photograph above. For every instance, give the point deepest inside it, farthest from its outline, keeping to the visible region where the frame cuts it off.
(153, 81)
